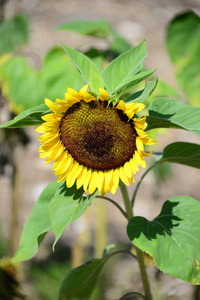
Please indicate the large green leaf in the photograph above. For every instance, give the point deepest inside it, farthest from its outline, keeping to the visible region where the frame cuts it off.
(95, 81)
(13, 33)
(59, 73)
(98, 28)
(80, 282)
(124, 67)
(66, 206)
(24, 87)
(37, 226)
(172, 238)
(29, 117)
(170, 113)
(21, 84)
(182, 153)
(82, 63)
(183, 43)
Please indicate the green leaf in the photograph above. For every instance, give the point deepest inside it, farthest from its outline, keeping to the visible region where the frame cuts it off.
(82, 63)
(21, 84)
(13, 33)
(170, 113)
(37, 226)
(124, 67)
(67, 205)
(182, 153)
(131, 82)
(80, 282)
(142, 95)
(59, 73)
(95, 81)
(29, 117)
(98, 28)
(183, 44)
(25, 87)
(172, 238)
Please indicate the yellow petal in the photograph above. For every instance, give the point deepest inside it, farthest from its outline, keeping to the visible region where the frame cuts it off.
(104, 96)
(74, 93)
(116, 178)
(54, 107)
(40, 129)
(128, 170)
(121, 105)
(139, 144)
(85, 95)
(147, 154)
(56, 153)
(81, 178)
(84, 89)
(93, 182)
(72, 176)
(100, 180)
(134, 165)
(63, 164)
(139, 158)
(123, 177)
(51, 117)
(87, 180)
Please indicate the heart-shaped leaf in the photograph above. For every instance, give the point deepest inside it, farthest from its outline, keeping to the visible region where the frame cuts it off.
(172, 238)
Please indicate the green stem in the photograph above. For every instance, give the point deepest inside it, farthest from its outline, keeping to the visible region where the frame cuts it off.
(113, 202)
(140, 256)
(140, 181)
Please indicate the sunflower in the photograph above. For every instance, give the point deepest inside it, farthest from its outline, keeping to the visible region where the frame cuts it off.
(94, 142)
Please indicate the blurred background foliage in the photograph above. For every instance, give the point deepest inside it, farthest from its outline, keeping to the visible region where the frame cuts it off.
(24, 85)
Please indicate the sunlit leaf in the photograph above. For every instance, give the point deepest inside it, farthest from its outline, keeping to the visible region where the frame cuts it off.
(172, 238)
(82, 63)
(95, 81)
(182, 153)
(131, 81)
(29, 117)
(170, 113)
(37, 225)
(123, 67)
(67, 205)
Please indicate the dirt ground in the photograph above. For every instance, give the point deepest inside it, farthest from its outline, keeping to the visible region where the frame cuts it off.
(136, 21)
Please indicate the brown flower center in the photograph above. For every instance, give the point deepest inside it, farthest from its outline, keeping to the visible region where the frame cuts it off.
(97, 135)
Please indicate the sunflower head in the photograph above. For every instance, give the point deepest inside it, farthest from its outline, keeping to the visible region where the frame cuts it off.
(94, 142)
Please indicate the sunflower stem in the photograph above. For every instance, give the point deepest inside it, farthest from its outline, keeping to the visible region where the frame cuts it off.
(113, 202)
(140, 181)
(140, 255)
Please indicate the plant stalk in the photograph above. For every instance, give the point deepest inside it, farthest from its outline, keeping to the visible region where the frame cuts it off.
(140, 255)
